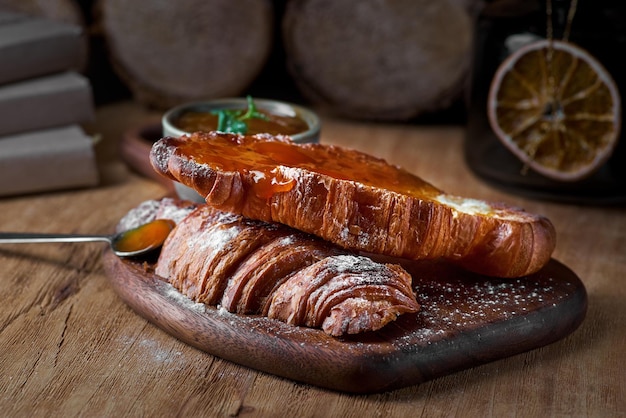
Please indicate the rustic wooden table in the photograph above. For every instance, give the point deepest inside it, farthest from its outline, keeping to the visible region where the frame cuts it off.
(69, 346)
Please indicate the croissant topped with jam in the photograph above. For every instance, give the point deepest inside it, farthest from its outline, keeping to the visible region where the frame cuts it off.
(355, 200)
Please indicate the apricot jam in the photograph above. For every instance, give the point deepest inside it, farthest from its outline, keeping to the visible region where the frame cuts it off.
(275, 124)
(147, 236)
(259, 158)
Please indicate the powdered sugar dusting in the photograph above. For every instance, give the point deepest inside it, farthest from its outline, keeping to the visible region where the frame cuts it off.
(143, 213)
(153, 353)
(215, 241)
(182, 300)
(149, 210)
(354, 263)
(452, 306)
(342, 263)
(228, 218)
(288, 240)
(169, 209)
(355, 234)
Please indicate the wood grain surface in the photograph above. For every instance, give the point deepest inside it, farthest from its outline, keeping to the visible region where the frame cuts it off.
(69, 346)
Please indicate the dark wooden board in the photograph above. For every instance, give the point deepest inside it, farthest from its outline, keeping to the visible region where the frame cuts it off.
(466, 320)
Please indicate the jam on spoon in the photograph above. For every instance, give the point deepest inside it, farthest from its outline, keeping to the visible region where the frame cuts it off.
(130, 243)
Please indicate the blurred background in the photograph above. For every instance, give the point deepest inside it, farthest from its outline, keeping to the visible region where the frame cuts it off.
(161, 53)
(389, 61)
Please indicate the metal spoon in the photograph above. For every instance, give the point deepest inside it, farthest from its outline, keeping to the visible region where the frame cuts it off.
(131, 243)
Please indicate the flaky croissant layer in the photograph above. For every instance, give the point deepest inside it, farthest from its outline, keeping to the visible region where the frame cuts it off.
(253, 267)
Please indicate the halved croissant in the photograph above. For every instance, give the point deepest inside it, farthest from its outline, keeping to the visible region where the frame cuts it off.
(356, 201)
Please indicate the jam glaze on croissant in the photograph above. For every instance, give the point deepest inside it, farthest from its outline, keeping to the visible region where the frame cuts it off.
(252, 267)
(355, 200)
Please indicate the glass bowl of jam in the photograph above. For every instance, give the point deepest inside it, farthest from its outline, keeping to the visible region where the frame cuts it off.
(301, 124)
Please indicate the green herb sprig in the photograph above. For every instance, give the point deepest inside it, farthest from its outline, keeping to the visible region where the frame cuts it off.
(234, 121)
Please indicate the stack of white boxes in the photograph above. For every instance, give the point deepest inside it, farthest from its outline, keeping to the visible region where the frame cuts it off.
(44, 104)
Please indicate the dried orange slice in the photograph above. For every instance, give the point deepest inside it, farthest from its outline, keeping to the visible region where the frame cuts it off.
(556, 108)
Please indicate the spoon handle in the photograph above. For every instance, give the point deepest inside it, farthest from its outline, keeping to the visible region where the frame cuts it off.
(24, 238)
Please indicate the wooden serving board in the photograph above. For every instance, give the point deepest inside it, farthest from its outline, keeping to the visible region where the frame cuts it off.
(465, 320)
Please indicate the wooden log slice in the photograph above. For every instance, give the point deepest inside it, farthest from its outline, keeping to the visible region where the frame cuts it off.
(170, 52)
(378, 59)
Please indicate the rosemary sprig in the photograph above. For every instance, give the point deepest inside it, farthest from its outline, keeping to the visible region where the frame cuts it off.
(234, 121)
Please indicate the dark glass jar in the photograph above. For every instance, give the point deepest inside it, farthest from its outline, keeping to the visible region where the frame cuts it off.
(599, 26)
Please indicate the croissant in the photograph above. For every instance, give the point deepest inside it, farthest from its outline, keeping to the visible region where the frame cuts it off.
(253, 267)
(356, 201)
